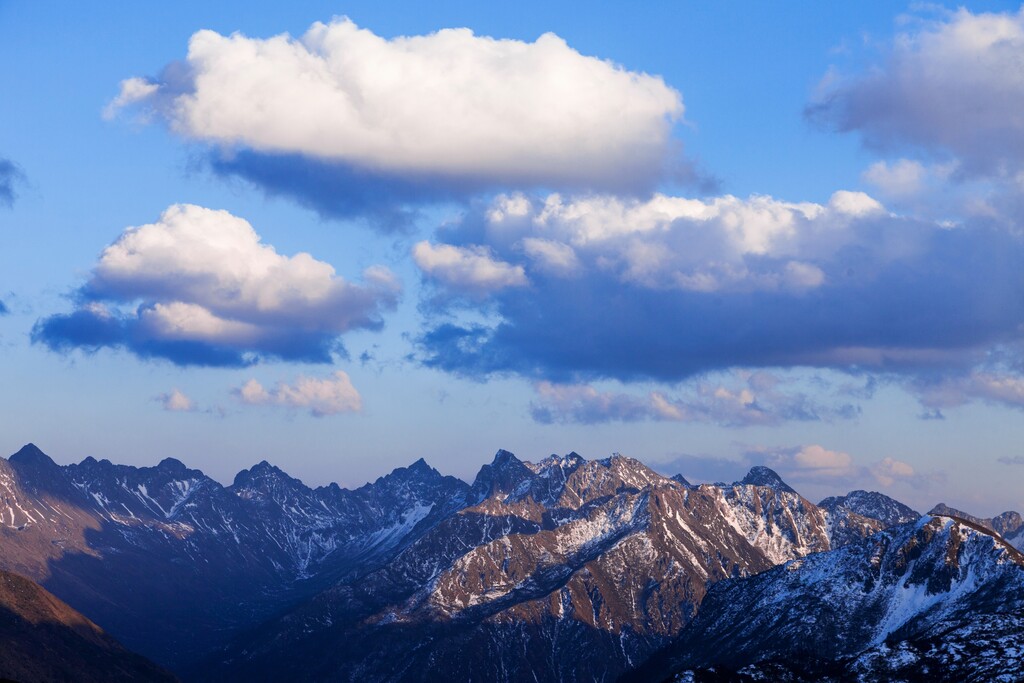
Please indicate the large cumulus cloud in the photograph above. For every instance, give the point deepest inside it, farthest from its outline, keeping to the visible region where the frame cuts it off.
(353, 113)
(670, 288)
(199, 287)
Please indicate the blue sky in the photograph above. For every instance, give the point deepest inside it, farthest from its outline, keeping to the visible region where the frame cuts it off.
(706, 237)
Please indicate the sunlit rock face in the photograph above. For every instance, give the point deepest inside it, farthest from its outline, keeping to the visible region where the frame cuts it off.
(575, 569)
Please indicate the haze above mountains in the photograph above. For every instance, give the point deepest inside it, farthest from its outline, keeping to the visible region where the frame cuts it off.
(575, 569)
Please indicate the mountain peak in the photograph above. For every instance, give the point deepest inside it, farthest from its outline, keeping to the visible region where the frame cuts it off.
(503, 474)
(873, 505)
(31, 455)
(682, 480)
(172, 465)
(503, 458)
(1007, 524)
(759, 475)
(420, 466)
(944, 510)
(418, 471)
(261, 471)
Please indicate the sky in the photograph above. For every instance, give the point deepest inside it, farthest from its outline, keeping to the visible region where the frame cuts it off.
(344, 236)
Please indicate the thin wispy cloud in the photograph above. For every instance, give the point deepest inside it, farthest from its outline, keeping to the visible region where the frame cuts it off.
(810, 464)
(745, 400)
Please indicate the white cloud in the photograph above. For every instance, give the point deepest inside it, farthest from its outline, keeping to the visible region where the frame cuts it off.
(888, 471)
(1001, 388)
(550, 255)
(449, 103)
(814, 462)
(469, 269)
(854, 203)
(203, 278)
(176, 401)
(903, 178)
(800, 275)
(133, 90)
(667, 288)
(954, 86)
(215, 261)
(665, 242)
(328, 396)
(822, 460)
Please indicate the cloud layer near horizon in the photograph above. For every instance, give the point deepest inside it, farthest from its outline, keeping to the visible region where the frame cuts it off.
(805, 464)
(745, 400)
(198, 287)
(354, 113)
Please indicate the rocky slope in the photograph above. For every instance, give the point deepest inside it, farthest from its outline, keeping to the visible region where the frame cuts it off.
(904, 602)
(572, 569)
(1009, 525)
(568, 568)
(860, 513)
(42, 639)
(124, 544)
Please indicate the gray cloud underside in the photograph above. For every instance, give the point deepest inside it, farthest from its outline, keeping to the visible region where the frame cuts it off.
(950, 294)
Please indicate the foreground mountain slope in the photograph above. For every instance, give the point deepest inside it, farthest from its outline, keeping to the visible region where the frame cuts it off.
(571, 569)
(924, 588)
(43, 639)
(124, 544)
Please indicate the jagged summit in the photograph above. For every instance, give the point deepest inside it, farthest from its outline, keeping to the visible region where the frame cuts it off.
(503, 475)
(1009, 524)
(503, 457)
(262, 471)
(759, 475)
(565, 462)
(682, 480)
(420, 466)
(419, 473)
(916, 580)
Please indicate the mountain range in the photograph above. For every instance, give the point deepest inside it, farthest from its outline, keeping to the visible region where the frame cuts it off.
(569, 569)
